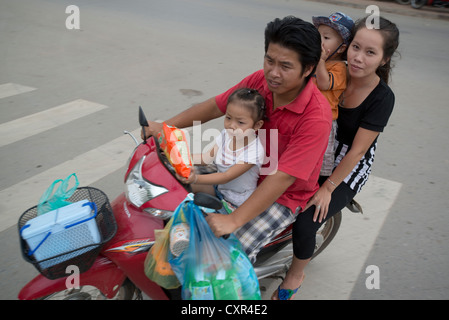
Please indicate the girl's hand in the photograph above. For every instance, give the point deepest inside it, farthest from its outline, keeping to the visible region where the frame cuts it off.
(191, 179)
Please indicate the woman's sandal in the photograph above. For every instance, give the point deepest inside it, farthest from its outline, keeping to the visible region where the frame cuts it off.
(286, 294)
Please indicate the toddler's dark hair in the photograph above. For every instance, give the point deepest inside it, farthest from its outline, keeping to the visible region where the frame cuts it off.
(251, 99)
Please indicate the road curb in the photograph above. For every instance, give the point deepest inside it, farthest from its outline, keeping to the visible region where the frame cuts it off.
(392, 7)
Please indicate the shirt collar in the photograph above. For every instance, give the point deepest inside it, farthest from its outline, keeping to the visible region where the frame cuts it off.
(302, 100)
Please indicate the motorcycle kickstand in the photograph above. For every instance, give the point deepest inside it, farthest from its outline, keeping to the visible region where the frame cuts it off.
(138, 294)
(274, 276)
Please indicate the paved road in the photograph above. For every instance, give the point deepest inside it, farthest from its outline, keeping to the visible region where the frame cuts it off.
(166, 55)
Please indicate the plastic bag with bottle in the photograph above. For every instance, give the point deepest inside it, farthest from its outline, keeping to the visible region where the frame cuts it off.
(211, 268)
(156, 265)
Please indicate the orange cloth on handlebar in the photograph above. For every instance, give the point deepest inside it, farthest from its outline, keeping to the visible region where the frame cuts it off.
(174, 143)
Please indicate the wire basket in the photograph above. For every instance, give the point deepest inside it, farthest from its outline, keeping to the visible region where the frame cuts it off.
(83, 257)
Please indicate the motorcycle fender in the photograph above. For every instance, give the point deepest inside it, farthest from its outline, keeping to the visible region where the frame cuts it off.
(104, 275)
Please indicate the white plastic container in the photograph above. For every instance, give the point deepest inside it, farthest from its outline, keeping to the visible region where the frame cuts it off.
(60, 231)
(179, 238)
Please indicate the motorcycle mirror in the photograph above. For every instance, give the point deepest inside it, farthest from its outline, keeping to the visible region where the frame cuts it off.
(142, 119)
(143, 122)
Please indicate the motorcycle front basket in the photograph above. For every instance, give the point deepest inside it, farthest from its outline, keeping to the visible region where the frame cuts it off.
(54, 267)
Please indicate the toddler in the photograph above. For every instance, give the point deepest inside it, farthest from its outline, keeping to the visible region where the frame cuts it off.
(330, 75)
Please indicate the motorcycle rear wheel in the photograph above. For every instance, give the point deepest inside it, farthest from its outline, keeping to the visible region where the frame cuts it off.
(327, 233)
(418, 3)
(126, 292)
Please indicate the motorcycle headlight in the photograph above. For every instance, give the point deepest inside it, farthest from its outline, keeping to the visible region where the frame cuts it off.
(138, 190)
(159, 213)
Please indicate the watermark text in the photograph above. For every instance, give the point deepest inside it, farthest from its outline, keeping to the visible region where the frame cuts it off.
(73, 280)
(372, 21)
(373, 280)
(73, 20)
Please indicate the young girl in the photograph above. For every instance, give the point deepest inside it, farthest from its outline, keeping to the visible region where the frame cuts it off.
(237, 153)
(364, 110)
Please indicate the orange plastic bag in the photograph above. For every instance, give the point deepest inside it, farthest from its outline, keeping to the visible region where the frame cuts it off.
(174, 143)
(156, 265)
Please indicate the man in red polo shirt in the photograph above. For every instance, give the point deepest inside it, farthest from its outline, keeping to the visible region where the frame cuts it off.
(298, 115)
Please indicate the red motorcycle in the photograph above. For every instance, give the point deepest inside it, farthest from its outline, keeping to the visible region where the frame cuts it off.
(436, 3)
(417, 4)
(115, 268)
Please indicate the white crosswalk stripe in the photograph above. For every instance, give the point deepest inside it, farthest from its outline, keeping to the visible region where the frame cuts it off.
(12, 89)
(22, 128)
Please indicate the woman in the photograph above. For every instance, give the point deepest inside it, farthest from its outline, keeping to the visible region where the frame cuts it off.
(364, 110)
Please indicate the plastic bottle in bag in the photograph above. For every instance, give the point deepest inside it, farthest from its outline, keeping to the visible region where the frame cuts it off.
(179, 238)
(248, 281)
(227, 286)
(201, 290)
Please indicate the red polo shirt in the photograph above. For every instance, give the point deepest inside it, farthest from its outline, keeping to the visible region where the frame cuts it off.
(302, 129)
